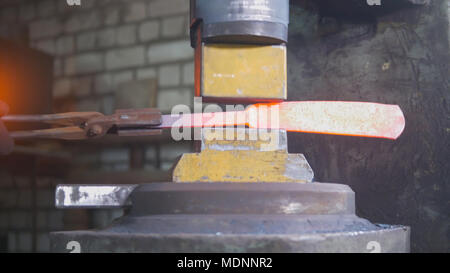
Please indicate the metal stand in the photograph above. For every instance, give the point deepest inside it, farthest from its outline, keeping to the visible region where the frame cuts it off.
(240, 217)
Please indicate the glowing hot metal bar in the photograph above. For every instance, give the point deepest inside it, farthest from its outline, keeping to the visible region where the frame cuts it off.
(323, 117)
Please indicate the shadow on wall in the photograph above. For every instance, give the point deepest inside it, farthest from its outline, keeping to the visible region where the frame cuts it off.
(396, 56)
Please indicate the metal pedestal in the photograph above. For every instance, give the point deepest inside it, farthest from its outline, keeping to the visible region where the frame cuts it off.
(239, 217)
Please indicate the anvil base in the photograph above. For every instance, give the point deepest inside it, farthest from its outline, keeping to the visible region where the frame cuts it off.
(240, 217)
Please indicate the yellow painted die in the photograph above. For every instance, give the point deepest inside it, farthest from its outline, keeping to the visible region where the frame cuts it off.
(250, 72)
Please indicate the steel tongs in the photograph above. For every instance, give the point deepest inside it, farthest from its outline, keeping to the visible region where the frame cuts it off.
(86, 125)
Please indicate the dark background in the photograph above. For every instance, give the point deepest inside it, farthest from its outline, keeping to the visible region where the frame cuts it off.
(397, 53)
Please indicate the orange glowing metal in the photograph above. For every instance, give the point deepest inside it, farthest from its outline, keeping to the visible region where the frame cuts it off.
(323, 117)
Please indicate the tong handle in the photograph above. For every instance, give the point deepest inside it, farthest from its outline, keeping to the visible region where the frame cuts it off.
(63, 119)
(85, 125)
(66, 133)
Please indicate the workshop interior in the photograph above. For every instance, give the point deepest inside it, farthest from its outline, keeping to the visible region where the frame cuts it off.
(116, 132)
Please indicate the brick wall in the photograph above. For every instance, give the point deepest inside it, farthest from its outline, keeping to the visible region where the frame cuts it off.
(16, 214)
(102, 43)
(96, 47)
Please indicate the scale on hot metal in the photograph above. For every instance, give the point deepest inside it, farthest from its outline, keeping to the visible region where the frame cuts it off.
(246, 194)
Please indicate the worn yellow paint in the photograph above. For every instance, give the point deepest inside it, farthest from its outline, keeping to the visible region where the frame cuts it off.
(230, 138)
(243, 155)
(244, 71)
(234, 166)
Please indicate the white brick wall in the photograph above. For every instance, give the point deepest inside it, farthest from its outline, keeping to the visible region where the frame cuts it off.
(45, 28)
(173, 26)
(61, 87)
(169, 75)
(16, 213)
(160, 8)
(102, 38)
(47, 45)
(135, 11)
(46, 8)
(188, 73)
(65, 45)
(125, 57)
(103, 83)
(96, 47)
(149, 30)
(85, 41)
(115, 155)
(106, 37)
(82, 21)
(81, 87)
(170, 97)
(126, 35)
(85, 63)
(170, 52)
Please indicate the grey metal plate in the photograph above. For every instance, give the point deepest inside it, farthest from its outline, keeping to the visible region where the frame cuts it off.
(386, 240)
(242, 198)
